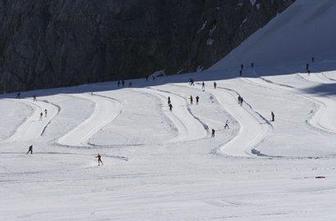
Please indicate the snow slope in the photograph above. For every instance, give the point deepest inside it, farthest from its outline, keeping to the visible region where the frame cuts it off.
(164, 165)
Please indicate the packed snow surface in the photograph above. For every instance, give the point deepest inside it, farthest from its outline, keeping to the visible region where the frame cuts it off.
(162, 164)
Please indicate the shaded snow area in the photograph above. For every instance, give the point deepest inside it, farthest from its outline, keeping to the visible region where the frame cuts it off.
(164, 164)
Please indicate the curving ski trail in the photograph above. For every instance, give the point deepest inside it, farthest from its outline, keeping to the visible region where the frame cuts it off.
(106, 110)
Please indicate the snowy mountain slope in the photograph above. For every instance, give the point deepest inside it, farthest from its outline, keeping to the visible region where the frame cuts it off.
(164, 165)
(303, 31)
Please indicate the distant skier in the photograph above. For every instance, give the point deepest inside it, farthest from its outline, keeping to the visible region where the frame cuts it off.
(252, 65)
(45, 113)
(213, 132)
(170, 107)
(215, 85)
(122, 83)
(191, 99)
(227, 125)
(307, 67)
(272, 116)
(99, 160)
(118, 83)
(240, 100)
(169, 101)
(34, 98)
(41, 115)
(30, 149)
(203, 85)
(18, 95)
(197, 99)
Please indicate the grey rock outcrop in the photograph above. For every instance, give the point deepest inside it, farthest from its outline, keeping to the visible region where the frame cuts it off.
(52, 43)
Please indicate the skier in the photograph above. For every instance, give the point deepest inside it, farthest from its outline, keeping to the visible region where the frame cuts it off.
(213, 133)
(169, 101)
(30, 149)
(18, 95)
(227, 125)
(272, 115)
(307, 67)
(170, 107)
(240, 99)
(203, 85)
(197, 99)
(99, 160)
(41, 115)
(34, 98)
(123, 83)
(252, 65)
(215, 85)
(118, 83)
(45, 112)
(191, 100)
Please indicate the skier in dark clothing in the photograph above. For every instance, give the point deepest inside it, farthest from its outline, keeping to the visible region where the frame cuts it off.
(307, 67)
(197, 99)
(118, 83)
(215, 85)
(45, 112)
(273, 116)
(213, 133)
(99, 160)
(169, 101)
(30, 149)
(123, 83)
(41, 115)
(241, 67)
(170, 107)
(34, 98)
(252, 65)
(18, 95)
(191, 100)
(203, 85)
(226, 125)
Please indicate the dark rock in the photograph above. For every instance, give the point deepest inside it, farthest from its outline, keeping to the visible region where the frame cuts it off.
(51, 43)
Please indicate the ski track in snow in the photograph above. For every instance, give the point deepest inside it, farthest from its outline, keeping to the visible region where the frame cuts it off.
(34, 126)
(189, 128)
(106, 110)
(253, 126)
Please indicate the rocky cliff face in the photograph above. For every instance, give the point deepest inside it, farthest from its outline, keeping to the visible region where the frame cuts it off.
(51, 43)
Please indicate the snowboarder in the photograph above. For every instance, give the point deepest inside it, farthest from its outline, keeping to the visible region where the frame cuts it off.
(170, 107)
(191, 100)
(99, 160)
(169, 101)
(213, 133)
(203, 85)
(215, 85)
(45, 112)
(30, 149)
(272, 116)
(197, 99)
(227, 125)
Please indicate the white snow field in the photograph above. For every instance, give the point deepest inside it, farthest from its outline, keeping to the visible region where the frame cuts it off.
(165, 165)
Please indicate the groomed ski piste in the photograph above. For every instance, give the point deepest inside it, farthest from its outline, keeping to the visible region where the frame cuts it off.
(162, 164)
